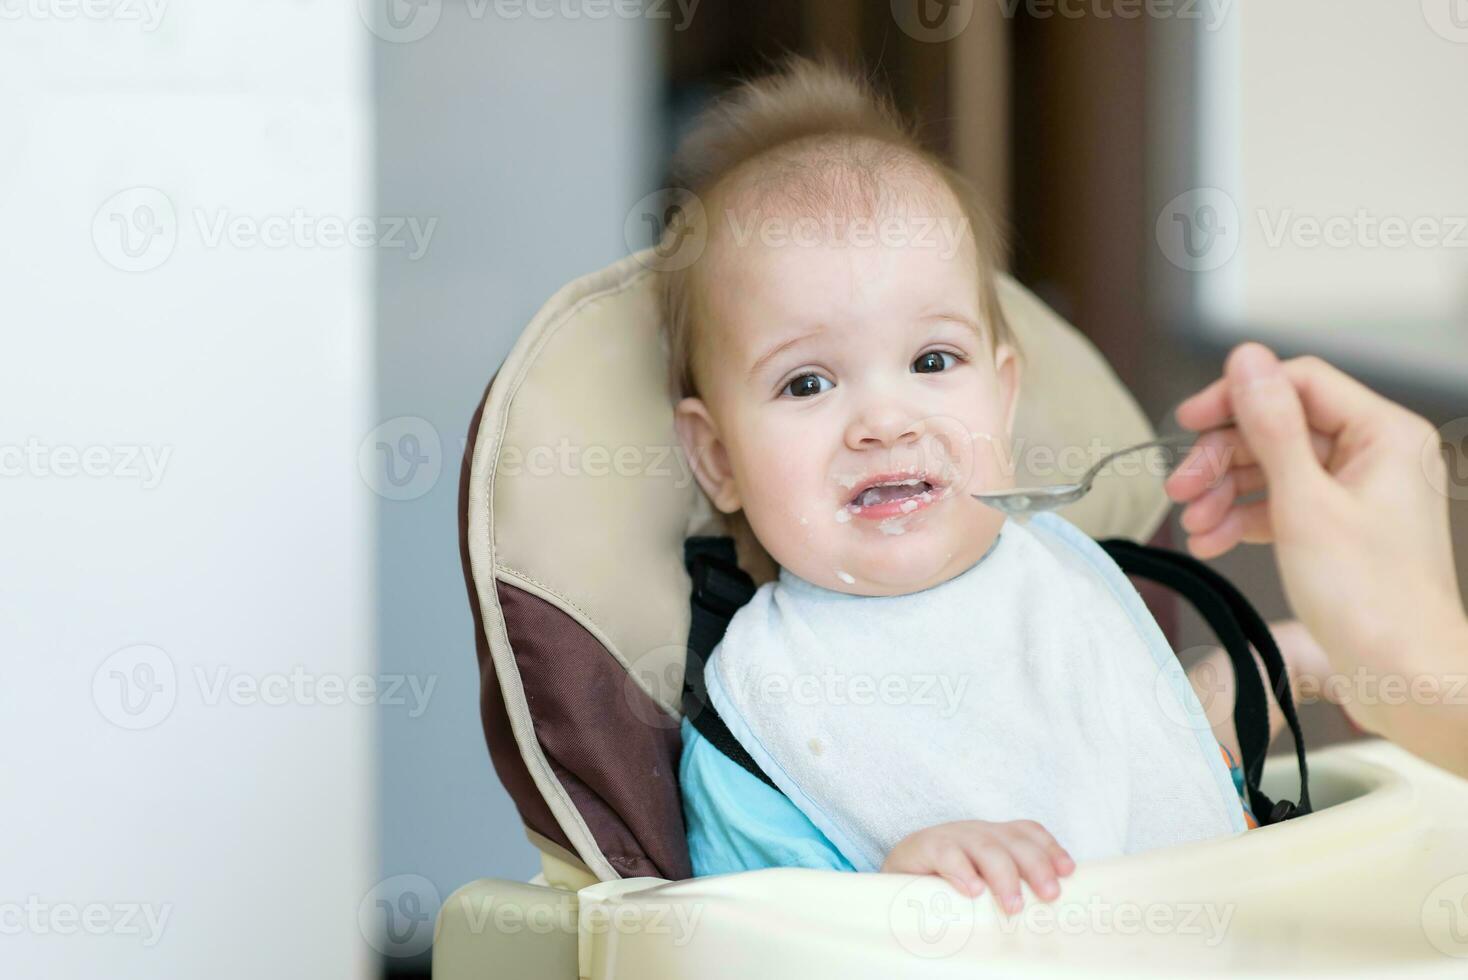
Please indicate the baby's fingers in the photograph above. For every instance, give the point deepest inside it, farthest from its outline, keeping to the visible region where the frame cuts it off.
(953, 864)
(1058, 856)
(1000, 873)
(1036, 868)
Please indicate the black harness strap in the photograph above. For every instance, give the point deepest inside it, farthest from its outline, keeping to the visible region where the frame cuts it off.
(1238, 625)
(720, 587)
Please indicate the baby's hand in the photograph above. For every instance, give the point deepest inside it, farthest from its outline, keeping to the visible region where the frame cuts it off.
(970, 853)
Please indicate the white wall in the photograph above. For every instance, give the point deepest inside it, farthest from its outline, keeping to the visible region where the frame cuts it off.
(240, 818)
(248, 247)
(529, 140)
(1331, 165)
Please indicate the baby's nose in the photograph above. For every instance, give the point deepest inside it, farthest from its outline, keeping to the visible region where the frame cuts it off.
(884, 426)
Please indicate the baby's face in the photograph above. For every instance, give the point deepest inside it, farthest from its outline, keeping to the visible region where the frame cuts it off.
(854, 403)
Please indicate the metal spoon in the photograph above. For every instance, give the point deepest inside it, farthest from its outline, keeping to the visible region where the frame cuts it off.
(1030, 500)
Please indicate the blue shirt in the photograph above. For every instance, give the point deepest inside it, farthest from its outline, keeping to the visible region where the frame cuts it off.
(736, 822)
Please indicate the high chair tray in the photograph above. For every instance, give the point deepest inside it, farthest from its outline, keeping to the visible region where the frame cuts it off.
(1374, 883)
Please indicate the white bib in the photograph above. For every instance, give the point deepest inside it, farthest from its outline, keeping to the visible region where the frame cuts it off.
(1034, 685)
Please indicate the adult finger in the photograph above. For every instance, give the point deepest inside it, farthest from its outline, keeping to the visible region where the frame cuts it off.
(1221, 452)
(1208, 511)
(1332, 399)
(1244, 523)
(1269, 414)
(1207, 408)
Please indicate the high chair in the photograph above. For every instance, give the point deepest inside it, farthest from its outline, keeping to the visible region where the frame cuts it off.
(575, 506)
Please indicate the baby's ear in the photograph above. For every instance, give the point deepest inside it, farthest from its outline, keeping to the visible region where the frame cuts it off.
(1009, 369)
(705, 452)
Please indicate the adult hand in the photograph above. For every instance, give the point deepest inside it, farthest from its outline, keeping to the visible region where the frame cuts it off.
(1356, 508)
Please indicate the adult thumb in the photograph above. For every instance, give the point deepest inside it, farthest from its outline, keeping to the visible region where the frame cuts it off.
(1268, 412)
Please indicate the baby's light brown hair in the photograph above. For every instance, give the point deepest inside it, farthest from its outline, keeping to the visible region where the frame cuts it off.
(822, 139)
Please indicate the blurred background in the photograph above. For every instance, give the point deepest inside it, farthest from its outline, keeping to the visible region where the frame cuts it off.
(262, 257)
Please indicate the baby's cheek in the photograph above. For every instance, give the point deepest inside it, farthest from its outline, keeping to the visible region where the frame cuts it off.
(993, 462)
(780, 513)
(783, 474)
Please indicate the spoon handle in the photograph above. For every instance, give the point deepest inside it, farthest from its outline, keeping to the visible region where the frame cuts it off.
(1180, 439)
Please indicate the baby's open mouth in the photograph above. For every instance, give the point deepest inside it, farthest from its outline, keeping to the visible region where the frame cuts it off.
(890, 490)
(884, 498)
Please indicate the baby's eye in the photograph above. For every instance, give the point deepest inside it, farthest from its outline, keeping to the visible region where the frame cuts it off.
(806, 385)
(932, 362)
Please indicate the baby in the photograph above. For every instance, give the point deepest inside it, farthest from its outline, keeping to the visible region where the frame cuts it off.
(981, 698)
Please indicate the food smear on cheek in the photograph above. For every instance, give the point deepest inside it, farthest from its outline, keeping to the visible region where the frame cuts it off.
(1004, 462)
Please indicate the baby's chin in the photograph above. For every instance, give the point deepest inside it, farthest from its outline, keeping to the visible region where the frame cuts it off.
(866, 561)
